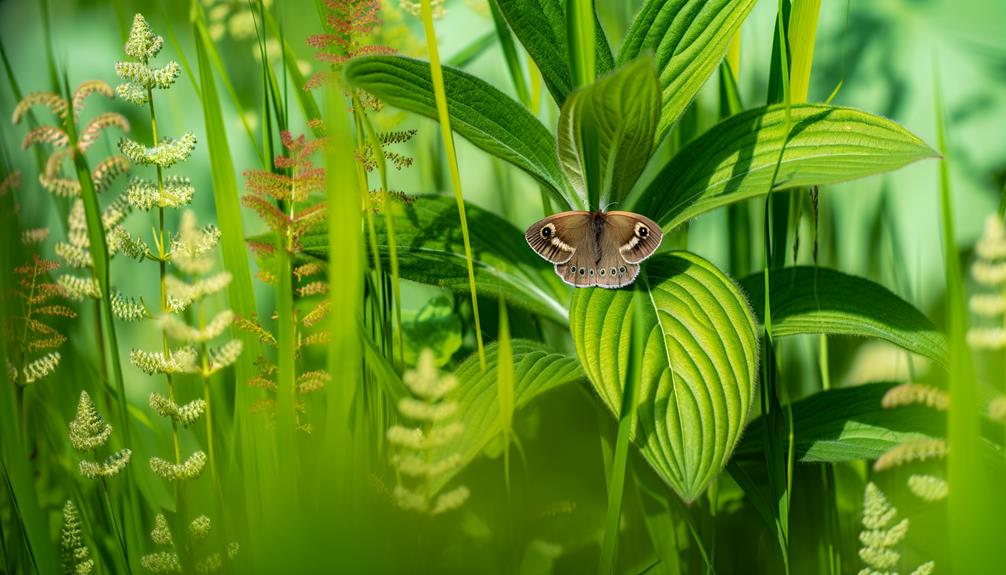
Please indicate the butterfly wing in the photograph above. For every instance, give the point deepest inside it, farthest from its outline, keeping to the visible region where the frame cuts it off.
(556, 238)
(633, 236)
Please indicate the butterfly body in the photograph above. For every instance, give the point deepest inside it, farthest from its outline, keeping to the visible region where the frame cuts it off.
(595, 248)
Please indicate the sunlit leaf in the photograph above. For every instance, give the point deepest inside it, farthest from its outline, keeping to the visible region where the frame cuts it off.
(688, 39)
(609, 125)
(699, 367)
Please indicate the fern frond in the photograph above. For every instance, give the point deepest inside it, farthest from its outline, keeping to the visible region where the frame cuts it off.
(75, 554)
(915, 393)
(78, 288)
(161, 534)
(265, 183)
(178, 330)
(107, 171)
(88, 431)
(56, 104)
(191, 247)
(181, 360)
(269, 213)
(111, 467)
(252, 326)
(928, 487)
(189, 469)
(45, 135)
(144, 194)
(41, 367)
(307, 270)
(310, 381)
(87, 88)
(73, 256)
(93, 130)
(185, 414)
(165, 154)
(182, 294)
(34, 236)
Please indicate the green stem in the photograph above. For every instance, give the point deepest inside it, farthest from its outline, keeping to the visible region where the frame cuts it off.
(119, 536)
(437, 75)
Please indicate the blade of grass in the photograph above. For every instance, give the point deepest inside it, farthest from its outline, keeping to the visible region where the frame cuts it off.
(970, 526)
(253, 451)
(626, 421)
(510, 55)
(580, 30)
(437, 75)
(504, 388)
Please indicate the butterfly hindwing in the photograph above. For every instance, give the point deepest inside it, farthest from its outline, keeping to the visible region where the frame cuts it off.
(556, 238)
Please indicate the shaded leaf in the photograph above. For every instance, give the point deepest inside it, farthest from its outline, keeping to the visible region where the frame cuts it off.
(485, 116)
(540, 25)
(820, 300)
(430, 251)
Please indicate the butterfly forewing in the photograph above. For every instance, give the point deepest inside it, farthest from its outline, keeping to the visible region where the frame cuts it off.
(556, 238)
(637, 236)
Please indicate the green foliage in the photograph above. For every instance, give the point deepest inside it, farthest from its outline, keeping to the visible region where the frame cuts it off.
(606, 133)
(697, 381)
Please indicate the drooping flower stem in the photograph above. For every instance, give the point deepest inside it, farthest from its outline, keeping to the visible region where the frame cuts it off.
(119, 533)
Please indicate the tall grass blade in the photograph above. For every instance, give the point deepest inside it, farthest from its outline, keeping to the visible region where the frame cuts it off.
(970, 525)
(510, 55)
(437, 76)
(626, 421)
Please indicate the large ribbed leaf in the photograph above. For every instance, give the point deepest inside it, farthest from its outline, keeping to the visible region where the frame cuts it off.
(735, 159)
(846, 424)
(609, 127)
(688, 38)
(485, 116)
(430, 251)
(821, 300)
(699, 366)
(540, 25)
(536, 369)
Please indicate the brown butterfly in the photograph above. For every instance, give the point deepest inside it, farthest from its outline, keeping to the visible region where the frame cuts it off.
(595, 248)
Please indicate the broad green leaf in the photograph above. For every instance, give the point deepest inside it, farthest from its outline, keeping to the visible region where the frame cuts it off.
(536, 369)
(699, 367)
(435, 327)
(430, 251)
(688, 38)
(540, 25)
(487, 117)
(846, 424)
(735, 159)
(608, 127)
(820, 300)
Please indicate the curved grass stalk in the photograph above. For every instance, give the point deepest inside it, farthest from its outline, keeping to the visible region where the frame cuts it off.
(437, 75)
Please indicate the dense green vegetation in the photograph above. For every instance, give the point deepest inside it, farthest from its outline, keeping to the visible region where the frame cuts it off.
(267, 306)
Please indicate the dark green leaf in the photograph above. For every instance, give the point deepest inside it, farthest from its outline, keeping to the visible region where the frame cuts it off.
(430, 250)
(846, 424)
(479, 112)
(821, 300)
(540, 25)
